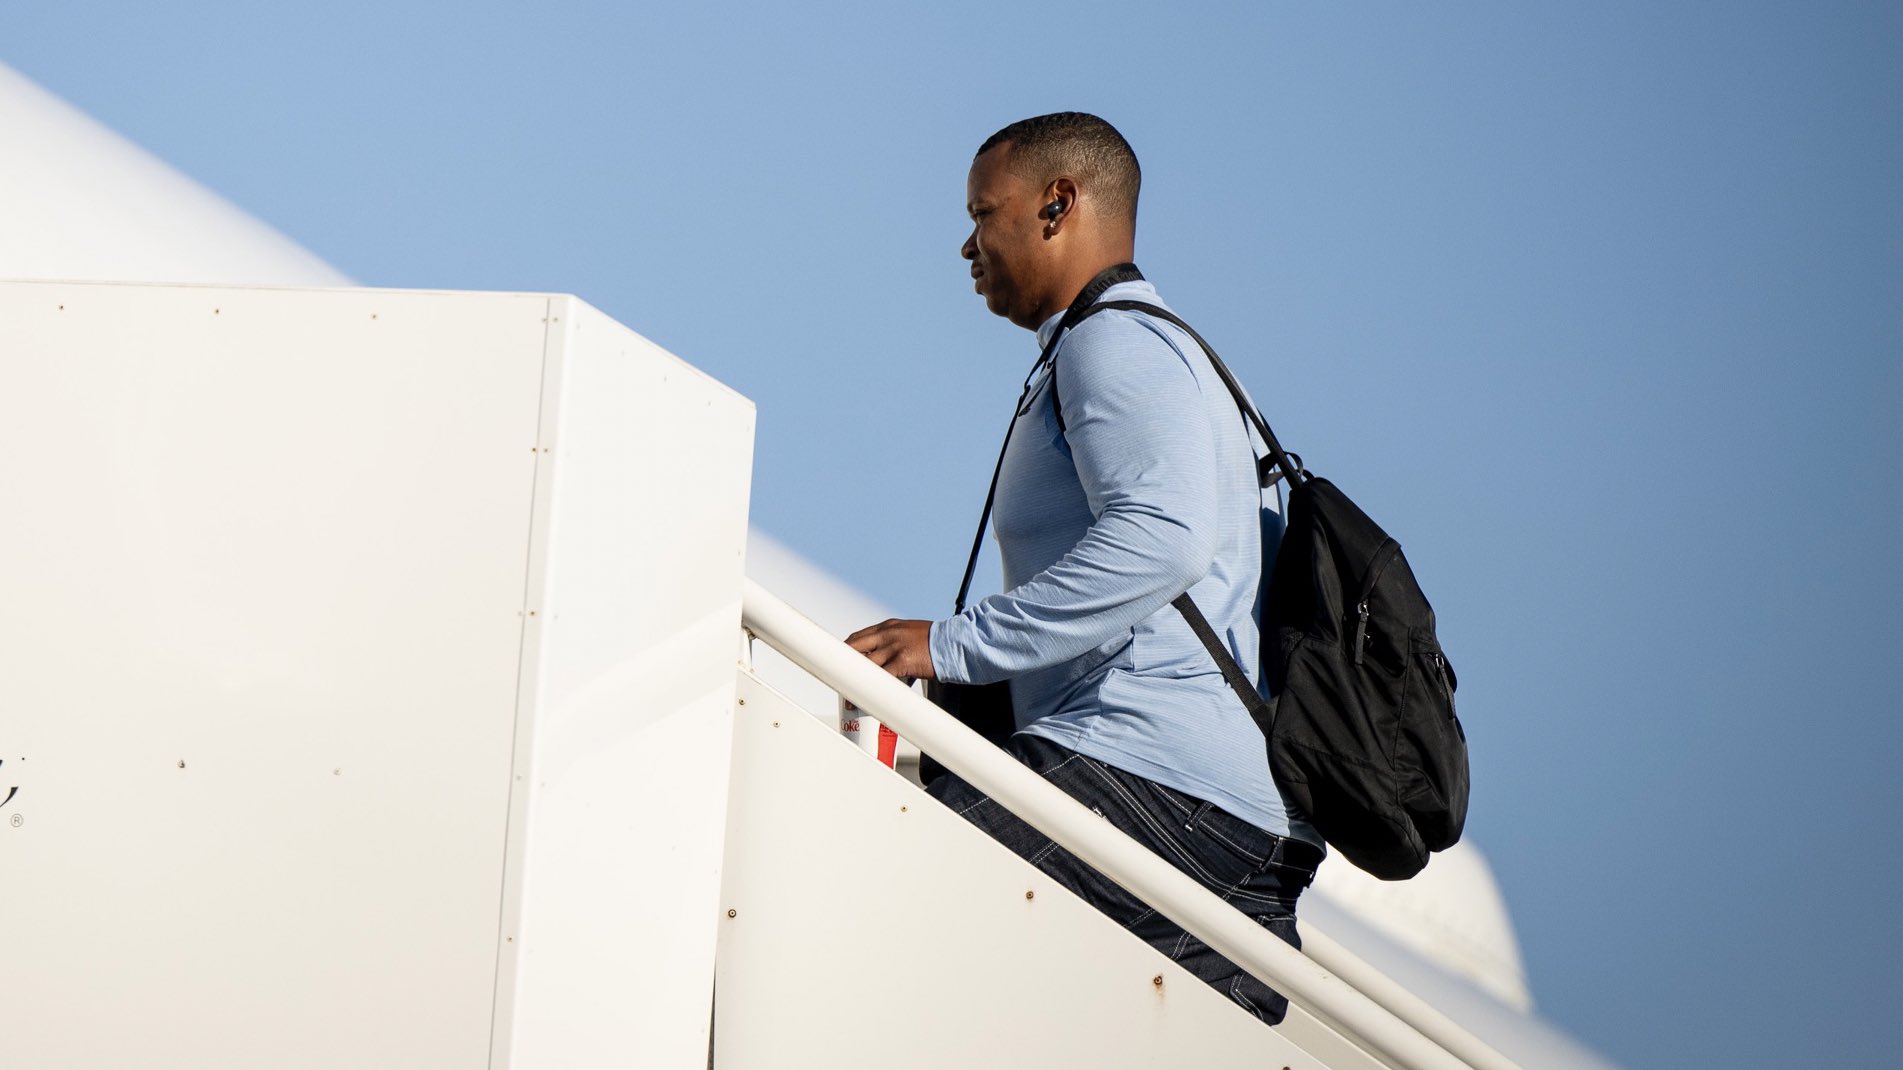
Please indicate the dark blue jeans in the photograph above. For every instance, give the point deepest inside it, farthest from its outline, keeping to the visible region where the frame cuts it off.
(1258, 872)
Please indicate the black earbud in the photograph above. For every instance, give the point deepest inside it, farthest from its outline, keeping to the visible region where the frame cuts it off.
(1053, 210)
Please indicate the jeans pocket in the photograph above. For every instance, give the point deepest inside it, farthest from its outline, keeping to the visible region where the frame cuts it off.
(1282, 924)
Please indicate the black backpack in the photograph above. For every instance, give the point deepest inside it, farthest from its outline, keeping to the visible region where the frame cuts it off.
(1364, 736)
(1361, 727)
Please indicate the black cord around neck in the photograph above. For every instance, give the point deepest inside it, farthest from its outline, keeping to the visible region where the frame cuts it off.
(1088, 296)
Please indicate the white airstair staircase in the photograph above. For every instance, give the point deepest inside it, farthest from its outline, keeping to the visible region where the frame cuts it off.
(371, 699)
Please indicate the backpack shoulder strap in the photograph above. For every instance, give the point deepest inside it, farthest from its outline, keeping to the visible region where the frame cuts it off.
(1262, 712)
(1291, 469)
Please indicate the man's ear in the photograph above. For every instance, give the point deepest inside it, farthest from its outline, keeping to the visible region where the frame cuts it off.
(1060, 201)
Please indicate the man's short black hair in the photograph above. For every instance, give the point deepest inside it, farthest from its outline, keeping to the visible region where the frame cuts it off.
(1077, 144)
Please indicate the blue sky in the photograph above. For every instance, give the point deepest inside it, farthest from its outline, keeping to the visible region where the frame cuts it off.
(1599, 308)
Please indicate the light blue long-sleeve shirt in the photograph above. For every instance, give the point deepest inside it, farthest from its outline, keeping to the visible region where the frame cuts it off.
(1150, 490)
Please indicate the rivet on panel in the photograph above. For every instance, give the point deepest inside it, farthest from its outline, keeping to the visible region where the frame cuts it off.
(1029, 894)
(776, 724)
(1158, 982)
(903, 809)
(743, 702)
(733, 913)
(181, 763)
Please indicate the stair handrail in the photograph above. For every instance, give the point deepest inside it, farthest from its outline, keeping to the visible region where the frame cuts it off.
(1401, 1028)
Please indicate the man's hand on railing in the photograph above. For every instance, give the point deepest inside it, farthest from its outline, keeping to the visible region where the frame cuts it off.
(900, 647)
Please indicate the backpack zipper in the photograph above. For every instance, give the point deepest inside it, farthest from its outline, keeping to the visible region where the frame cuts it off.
(1387, 553)
(1440, 675)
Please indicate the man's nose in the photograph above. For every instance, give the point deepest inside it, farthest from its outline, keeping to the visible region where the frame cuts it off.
(969, 250)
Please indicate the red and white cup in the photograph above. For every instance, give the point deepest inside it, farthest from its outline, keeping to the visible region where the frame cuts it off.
(868, 734)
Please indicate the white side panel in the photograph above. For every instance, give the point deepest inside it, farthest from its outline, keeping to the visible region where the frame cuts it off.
(263, 563)
(616, 846)
(871, 927)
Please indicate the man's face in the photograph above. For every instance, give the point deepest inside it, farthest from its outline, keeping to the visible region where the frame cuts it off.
(1006, 248)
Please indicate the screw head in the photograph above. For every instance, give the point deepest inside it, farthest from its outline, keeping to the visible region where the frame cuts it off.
(733, 913)
(1029, 894)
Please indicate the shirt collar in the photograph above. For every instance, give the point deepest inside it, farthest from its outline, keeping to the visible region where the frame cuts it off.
(1139, 290)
